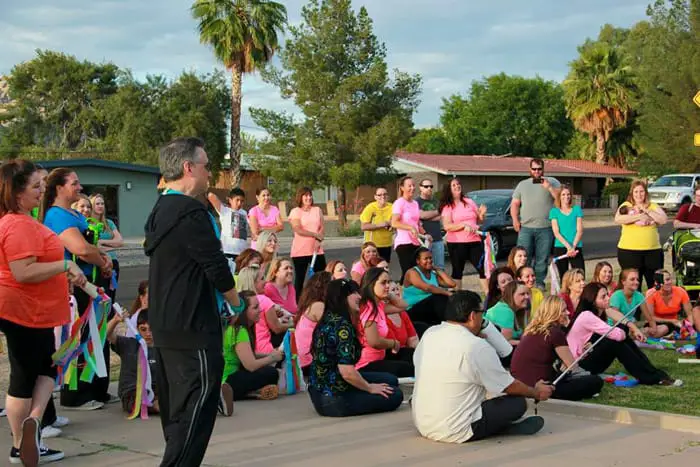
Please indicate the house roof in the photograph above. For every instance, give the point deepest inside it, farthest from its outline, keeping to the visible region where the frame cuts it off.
(115, 165)
(500, 165)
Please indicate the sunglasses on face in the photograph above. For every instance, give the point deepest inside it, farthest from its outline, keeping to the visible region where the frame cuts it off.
(537, 169)
(426, 186)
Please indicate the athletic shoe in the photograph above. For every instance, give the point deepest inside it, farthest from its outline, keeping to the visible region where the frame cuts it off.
(60, 422)
(89, 405)
(267, 393)
(50, 432)
(109, 399)
(676, 383)
(226, 400)
(528, 426)
(3, 413)
(29, 445)
(46, 455)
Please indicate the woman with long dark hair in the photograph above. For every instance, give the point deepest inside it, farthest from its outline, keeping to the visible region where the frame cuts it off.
(62, 189)
(34, 276)
(336, 387)
(461, 218)
(310, 311)
(374, 331)
(591, 322)
(511, 312)
(500, 277)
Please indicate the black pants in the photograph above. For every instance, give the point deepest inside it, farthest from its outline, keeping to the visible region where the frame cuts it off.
(301, 264)
(189, 382)
(384, 253)
(407, 258)
(577, 262)
(644, 261)
(355, 402)
(578, 387)
(460, 253)
(430, 310)
(98, 387)
(497, 415)
(243, 382)
(398, 367)
(628, 354)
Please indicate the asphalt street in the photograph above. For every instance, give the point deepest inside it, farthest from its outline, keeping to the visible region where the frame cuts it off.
(598, 243)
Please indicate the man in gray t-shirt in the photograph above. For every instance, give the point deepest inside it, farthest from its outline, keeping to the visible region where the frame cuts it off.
(533, 198)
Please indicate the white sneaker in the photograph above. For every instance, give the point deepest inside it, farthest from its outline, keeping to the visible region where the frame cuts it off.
(3, 413)
(89, 405)
(50, 432)
(60, 422)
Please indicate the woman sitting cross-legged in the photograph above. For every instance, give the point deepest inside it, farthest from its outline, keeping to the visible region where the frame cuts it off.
(510, 314)
(400, 325)
(667, 303)
(543, 345)
(629, 301)
(336, 387)
(246, 374)
(590, 323)
(425, 290)
(310, 311)
(373, 329)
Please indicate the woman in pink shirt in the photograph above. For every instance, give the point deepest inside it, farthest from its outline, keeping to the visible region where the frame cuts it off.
(280, 289)
(307, 223)
(374, 333)
(405, 218)
(590, 322)
(369, 254)
(264, 216)
(311, 306)
(461, 218)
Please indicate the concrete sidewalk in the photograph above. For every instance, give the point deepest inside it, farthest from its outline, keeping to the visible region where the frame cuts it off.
(287, 432)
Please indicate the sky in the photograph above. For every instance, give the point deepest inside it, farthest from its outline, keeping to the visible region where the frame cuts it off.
(449, 43)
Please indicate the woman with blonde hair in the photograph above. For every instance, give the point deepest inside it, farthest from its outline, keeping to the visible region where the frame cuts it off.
(369, 255)
(267, 245)
(517, 258)
(543, 352)
(572, 285)
(279, 287)
(567, 226)
(110, 238)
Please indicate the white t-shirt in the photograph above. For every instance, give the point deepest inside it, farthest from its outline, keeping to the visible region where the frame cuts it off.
(234, 230)
(454, 371)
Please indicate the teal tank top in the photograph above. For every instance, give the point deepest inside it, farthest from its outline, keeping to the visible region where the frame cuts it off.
(413, 295)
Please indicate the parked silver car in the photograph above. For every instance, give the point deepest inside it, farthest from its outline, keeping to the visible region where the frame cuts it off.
(671, 191)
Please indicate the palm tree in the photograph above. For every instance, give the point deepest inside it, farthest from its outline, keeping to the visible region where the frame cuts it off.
(599, 93)
(244, 36)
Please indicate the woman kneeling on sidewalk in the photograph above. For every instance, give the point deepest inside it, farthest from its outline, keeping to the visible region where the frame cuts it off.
(336, 388)
(543, 344)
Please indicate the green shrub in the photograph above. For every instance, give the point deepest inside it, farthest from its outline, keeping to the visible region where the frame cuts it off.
(353, 229)
(621, 189)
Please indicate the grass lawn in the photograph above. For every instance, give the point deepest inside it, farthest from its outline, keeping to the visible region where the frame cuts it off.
(661, 398)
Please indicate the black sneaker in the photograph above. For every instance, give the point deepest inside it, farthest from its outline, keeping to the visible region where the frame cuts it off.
(528, 426)
(49, 455)
(226, 400)
(14, 456)
(31, 440)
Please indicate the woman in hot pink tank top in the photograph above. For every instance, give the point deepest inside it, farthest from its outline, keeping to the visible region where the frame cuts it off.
(264, 216)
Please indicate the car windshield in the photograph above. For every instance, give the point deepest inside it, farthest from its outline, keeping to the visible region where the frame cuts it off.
(493, 202)
(680, 181)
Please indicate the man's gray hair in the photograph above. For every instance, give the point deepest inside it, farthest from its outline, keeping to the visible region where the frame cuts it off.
(174, 155)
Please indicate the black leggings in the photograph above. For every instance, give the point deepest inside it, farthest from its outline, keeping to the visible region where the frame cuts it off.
(576, 388)
(430, 310)
(407, 258)
(97, 389)
(577, 262)
(397, 365)
(384, 253)
(243, 382)
(628, 354)
(301, 264)
(644, 261)
(497, 415)
(460, 253)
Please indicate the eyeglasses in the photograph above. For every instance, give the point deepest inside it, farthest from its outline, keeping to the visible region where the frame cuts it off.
(426, 186)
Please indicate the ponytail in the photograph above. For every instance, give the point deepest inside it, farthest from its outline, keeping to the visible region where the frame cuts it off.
(56, 178)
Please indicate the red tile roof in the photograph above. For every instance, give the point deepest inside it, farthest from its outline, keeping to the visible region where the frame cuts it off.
(449, 164)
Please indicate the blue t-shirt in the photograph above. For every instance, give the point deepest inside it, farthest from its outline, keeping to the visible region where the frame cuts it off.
(618, 300)
(104, 235)
(59, 219)
(567, 224)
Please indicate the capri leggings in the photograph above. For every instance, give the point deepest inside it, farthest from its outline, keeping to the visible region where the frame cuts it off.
(29, 351)
(460, 253)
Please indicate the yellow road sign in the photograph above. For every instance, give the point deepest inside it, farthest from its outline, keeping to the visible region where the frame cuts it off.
(696, 99)
(696, 139)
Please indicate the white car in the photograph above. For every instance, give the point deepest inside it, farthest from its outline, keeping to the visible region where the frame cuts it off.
(673, 190)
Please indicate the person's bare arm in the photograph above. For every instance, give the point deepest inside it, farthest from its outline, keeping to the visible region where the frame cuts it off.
(376, 341)
(579, 232)
(250, 362)
(29, 271)
(541, 391)
(658, 216)
(215, 201)
(112, 328)
(274, 323)
(564, 353)
(515, 213)
(76, 244)
(684, 225)
(299, 230)
(445, 280)
(116, 242)
(414, 279)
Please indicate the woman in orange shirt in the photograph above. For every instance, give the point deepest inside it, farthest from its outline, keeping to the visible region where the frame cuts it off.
(33, 300)
(666, 304)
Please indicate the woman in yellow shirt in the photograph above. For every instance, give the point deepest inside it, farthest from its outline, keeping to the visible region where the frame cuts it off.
(376, 223)
(639, 246)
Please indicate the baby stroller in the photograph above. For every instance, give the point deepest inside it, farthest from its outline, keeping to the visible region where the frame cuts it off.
(686, 261)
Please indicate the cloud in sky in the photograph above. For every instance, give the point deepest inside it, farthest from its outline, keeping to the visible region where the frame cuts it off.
(449, 42)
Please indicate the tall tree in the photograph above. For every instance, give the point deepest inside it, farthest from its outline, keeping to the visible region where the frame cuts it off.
(600, 93)
(244, 37)
(355, 115)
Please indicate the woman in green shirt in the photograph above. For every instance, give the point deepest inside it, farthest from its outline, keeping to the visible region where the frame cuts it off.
(247, 375)
(510, 313)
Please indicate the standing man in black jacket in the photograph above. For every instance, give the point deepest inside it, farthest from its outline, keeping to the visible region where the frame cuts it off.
(189, 279)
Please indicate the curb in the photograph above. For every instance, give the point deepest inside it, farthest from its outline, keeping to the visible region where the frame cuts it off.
(621, 415)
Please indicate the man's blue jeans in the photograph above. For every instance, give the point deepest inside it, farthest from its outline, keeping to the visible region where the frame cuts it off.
(538, 243)
(438, 250)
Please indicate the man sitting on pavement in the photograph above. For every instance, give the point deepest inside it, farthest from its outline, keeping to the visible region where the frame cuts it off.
(455, 368)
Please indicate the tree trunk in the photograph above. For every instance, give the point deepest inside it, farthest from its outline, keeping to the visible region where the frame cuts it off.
(235, 146)
(342, 207)
(600, 156)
